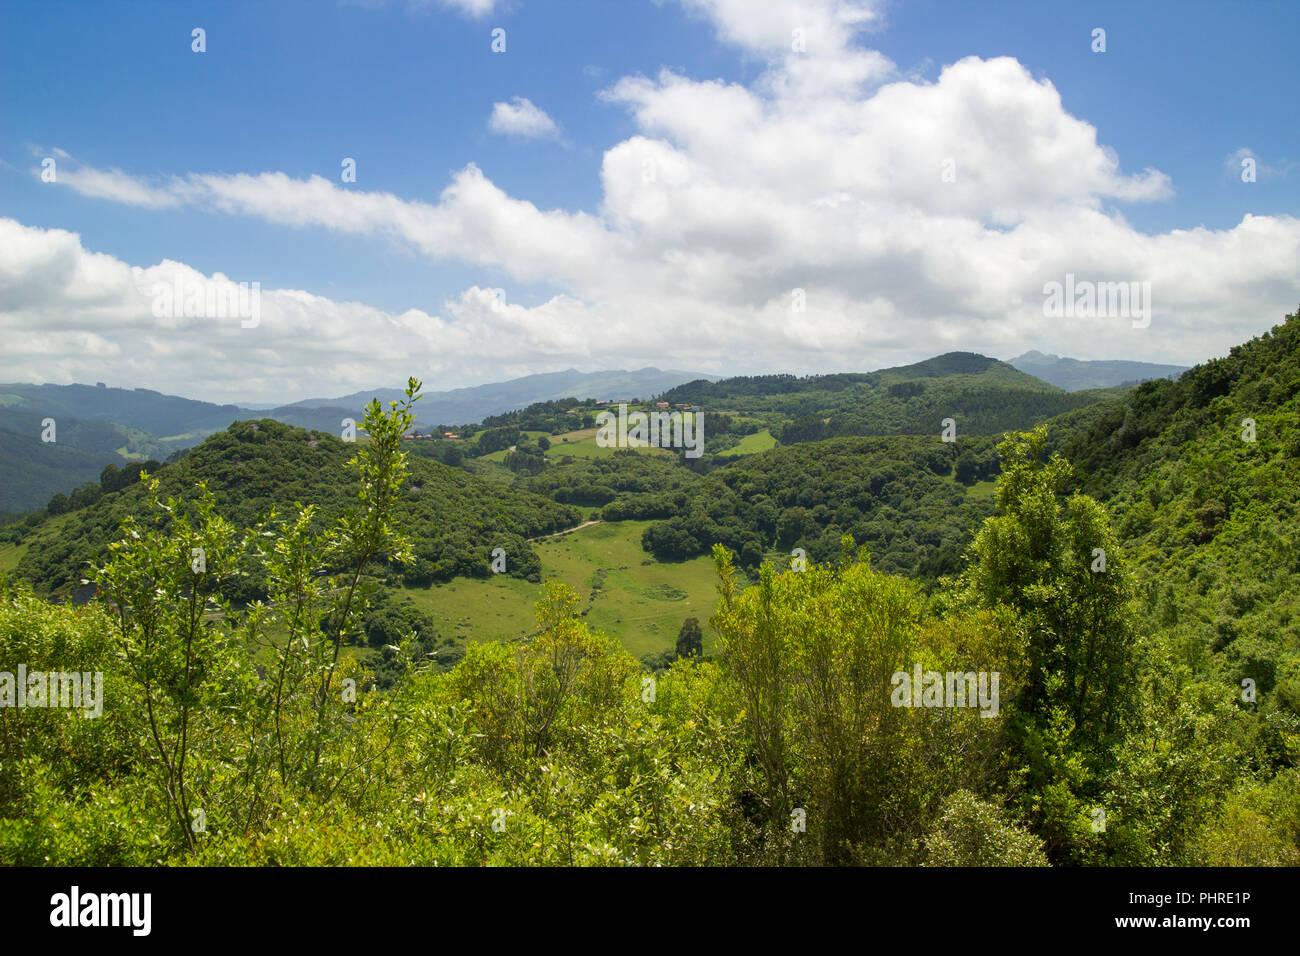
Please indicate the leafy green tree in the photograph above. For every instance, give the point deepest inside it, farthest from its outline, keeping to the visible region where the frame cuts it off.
(690, 639)
(967, 467)
(1055, 562)
(813, 655)
(368, 531)
(162, 584)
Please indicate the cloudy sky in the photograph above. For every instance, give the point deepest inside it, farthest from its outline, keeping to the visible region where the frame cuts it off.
(535, 185)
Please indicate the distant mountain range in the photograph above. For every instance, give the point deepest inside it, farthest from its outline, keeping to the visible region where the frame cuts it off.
(462, 406)
(1074, 375)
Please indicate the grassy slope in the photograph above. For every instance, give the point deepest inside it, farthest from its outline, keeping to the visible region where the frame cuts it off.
(582, 444)
(640, 600)
(48, 530)
(753, 444)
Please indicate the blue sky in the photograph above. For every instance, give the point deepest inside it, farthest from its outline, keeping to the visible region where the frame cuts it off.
(407, 90)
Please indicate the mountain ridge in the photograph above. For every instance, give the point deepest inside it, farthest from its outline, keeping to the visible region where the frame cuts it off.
(1076, 375)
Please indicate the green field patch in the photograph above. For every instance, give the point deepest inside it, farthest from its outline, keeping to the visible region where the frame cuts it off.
(500, 455)
(498, 608)
(582, 444)
(10, 555)
(753, 444)
(625, 593)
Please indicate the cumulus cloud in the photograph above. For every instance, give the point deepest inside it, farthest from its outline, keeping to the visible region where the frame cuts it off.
(520, 117)
(70, 314)
(914, 216)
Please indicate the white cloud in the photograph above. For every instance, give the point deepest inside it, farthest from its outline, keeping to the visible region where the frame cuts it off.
(829, 174)
(69, 314)
(474, 9)
(471, 8)
(520, 117)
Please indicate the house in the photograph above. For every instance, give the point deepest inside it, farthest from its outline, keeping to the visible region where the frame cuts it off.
(662, 405)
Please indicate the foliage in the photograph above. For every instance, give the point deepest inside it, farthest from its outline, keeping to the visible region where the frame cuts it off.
(1149, 694)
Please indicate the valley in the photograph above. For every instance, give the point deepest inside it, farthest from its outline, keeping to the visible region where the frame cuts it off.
(890, 488)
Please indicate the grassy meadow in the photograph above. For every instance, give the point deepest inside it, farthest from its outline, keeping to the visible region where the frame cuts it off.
(625, 592)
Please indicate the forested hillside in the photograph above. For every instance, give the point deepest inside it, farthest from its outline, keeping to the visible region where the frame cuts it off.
(981, 395)
(1203, 476)
(44, 455)
(1127, 570)
(906, 499)
(454, 520)
(141, 408)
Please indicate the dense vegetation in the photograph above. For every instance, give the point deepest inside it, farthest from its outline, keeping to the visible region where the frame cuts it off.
(76, 454)
(1203, 474)
(790, 749)
(453, 519)
(897, 496)
(1128, 571)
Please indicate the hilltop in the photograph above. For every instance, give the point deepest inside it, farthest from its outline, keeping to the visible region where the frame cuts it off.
(453, 518)
(1075, 375)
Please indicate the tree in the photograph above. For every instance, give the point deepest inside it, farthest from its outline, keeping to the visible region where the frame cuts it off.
(812, 655)
(690, 639)
(1055, 562)
(181, 645)
(162, 582)
(110, 479)
(967, 467)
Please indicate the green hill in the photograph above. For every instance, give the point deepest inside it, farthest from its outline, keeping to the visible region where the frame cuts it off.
(33, 470)
(981, 395)
(453, 518)
(1212, 516)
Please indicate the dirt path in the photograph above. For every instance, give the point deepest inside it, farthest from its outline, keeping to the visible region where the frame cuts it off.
(577, 527)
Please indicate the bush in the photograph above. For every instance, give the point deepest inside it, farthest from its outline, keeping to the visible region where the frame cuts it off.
(972, 832)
